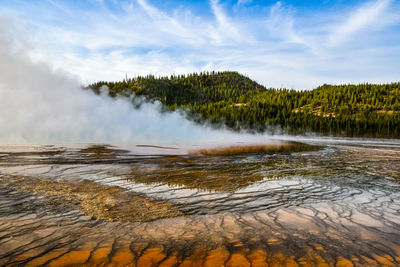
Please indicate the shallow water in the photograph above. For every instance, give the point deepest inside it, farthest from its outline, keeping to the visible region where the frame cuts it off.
(101, 205)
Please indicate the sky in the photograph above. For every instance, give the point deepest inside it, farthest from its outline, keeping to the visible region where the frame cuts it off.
(291, 44)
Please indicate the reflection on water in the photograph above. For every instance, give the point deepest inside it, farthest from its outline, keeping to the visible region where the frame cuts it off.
(103, 205)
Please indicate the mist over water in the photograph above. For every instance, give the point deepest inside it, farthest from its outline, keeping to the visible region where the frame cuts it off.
(41, 105)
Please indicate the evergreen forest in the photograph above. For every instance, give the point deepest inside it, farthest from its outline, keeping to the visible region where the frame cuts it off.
(239, 103)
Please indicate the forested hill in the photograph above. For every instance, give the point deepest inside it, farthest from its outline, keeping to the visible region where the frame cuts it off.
(364, 110)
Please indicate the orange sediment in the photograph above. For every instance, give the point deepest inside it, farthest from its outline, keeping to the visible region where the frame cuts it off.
(258, 258)
(47, 257)
(217, 257)
(342, 262)
(151, 257)
(71, 258)
(238, 260)
(170, 261)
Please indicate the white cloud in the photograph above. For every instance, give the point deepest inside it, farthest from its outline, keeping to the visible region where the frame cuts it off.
(281, 24)
(279, 46)
(370, 16)
(226, 31)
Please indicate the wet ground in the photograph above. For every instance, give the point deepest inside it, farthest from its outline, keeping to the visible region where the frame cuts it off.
(338, 205)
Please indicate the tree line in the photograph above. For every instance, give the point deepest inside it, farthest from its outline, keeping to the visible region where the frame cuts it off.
(234, 100)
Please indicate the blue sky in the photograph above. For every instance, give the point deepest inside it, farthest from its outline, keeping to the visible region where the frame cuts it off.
(294, 44)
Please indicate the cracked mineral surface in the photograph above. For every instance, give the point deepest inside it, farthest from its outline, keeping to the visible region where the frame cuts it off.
(338, 205)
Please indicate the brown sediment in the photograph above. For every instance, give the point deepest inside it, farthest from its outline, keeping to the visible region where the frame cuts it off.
(102, 152)
(258, 148)
(109, 203)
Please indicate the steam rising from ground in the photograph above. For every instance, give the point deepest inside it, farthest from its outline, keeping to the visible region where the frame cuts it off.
(40, 105)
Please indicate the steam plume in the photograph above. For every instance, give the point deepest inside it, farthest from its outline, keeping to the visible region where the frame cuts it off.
(40, 105)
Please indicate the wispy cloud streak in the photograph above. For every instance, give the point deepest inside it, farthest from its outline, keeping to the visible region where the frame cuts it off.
(371, 16)
(278, 44)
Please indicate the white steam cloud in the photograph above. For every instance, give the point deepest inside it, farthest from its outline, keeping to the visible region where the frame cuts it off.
(40, 105)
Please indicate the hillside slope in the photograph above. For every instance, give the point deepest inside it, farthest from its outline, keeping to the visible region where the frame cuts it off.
(229, 98)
